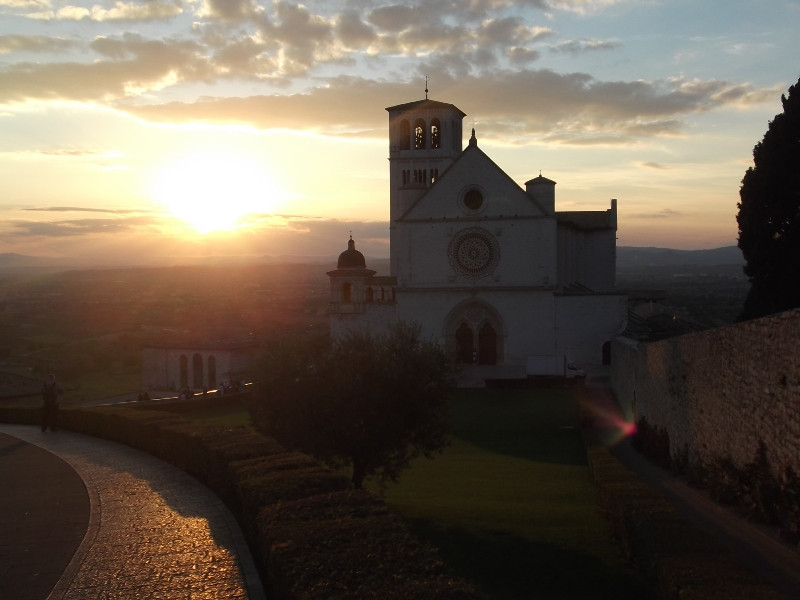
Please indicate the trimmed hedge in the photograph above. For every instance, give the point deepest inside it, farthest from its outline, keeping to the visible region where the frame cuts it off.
(316, 538)
(675, 559)
(369, 553)
(311, 534)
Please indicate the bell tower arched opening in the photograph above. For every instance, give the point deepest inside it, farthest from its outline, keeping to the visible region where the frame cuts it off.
(419, 134)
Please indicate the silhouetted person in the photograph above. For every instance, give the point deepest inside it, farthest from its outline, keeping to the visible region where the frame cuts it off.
(51, 397)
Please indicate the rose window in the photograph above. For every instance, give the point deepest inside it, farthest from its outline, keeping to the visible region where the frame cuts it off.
(474, 252)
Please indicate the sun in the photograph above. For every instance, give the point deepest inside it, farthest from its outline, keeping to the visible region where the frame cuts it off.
(214, 191)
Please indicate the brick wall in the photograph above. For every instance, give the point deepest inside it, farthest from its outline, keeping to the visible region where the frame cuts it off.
(718, 393)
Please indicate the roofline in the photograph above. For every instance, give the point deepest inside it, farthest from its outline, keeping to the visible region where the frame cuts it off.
(430, 103)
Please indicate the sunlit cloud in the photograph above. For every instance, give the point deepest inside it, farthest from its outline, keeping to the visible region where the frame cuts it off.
(80, 227)
(113, 211)
(97, 98)
(121, 11)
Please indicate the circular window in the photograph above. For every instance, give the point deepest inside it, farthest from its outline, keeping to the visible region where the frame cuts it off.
(473, 252)
(473, 199)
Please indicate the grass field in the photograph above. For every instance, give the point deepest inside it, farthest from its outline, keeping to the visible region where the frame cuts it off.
(510, 503)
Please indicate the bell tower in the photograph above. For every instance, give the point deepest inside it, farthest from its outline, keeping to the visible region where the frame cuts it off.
(424, 140)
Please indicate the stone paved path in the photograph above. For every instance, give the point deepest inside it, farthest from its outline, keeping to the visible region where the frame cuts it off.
(154, 531)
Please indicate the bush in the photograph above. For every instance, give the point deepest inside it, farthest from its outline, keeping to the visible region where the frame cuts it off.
(675, 559)
(313, 536)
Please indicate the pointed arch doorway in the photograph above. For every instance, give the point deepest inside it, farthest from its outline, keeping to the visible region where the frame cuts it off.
(475, 334)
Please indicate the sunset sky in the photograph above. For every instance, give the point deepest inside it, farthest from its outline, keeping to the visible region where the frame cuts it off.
(174, 128)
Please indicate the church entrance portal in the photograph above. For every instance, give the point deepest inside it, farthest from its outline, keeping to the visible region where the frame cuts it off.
(474, 335)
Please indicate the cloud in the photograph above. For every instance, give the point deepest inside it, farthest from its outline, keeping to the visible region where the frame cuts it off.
(155, 236)
(81, 227)
(113, 211)
(33, 43)
(229, 10)
(583, 45)
(121, 11)
(664, 213)
(519, 106)
(134, 65)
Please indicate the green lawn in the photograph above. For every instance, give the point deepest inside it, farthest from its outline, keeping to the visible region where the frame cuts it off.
(510, 504)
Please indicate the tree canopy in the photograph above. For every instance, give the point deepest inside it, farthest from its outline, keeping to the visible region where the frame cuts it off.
(373, 402)
(769, 215)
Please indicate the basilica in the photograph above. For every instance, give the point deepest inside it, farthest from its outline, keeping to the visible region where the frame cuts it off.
(508, 285)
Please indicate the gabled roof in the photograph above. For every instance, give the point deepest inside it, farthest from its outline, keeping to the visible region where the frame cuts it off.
(472, 151)
(426, 103)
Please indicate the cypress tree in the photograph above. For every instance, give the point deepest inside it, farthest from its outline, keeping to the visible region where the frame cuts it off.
(769, 215)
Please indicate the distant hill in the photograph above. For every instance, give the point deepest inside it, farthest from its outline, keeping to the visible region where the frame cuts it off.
(11, 260)
(627, 257)
(633, 257)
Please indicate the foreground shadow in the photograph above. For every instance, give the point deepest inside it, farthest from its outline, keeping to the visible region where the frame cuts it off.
(507, 567)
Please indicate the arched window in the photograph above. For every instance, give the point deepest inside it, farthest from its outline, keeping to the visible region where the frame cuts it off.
(434, 175)
(436, 134)
(464, 347)
(405, 135)
(184, 371)
(347, 292)
(212, 372)
(197, 372)
(370, 294)
(487, 345)
(419, 134)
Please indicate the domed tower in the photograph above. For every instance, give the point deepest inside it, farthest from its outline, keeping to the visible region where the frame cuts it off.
(349, 282)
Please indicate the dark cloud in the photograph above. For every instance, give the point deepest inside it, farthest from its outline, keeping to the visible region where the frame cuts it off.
(574, 47)
(353, 32)
(653, 165)
(512, 105)
(664, 213)
(33, 43)
(154, 235)
(230, 10)
(395, 18)
(82, 227)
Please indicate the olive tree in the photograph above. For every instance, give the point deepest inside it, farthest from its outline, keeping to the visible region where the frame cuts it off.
(369, 401)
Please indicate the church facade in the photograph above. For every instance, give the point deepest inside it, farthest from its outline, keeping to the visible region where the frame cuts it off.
(509, 286)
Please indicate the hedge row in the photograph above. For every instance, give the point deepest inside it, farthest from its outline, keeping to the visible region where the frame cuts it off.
(313, 536)
(675, 558)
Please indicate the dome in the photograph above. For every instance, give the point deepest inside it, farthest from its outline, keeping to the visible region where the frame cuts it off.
(351, 258)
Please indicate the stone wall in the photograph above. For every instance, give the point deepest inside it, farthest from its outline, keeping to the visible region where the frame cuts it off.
(718, 393)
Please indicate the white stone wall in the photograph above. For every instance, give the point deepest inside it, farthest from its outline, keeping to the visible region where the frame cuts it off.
(376, 318)
(527, 254)
(585, 323)
(161, 367)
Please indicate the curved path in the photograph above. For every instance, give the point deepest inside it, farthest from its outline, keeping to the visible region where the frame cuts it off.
(140, 528)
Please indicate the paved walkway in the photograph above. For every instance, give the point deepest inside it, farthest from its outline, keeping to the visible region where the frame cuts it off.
(94, 519)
